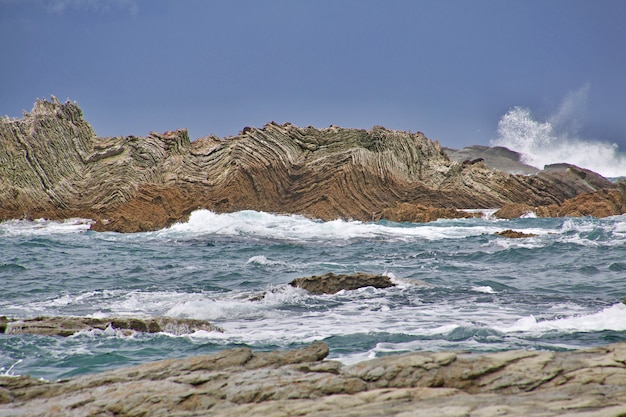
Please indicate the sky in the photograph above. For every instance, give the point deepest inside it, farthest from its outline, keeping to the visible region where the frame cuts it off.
(449, 68)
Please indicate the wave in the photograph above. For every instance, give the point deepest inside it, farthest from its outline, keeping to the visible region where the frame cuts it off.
(295, 228)
(557, 139)
(542, 143)
(610, 318)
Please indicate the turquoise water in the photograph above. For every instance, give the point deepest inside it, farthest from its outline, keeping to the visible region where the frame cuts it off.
(459, 287)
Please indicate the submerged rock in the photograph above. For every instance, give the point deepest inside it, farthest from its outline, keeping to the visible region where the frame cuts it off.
(240, 382)
(67, 326)
(514, 234)
(56, 167)
(332, 283)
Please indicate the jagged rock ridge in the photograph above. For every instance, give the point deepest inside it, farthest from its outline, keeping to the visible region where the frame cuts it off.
(52, 164)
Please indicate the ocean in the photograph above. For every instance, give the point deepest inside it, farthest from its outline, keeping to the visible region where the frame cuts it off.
(459, 287)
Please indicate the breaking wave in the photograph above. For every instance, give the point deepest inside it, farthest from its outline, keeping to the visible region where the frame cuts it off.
(555, 140)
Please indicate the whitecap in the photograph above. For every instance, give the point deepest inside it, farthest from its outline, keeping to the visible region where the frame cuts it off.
(486, 289)
(610, 318)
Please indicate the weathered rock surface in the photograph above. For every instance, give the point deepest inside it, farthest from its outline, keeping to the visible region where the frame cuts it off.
(53, 165)
(67, 326)
(496, 157)
(514, 234)
(602, 203)
(333, 283)
(240, 382)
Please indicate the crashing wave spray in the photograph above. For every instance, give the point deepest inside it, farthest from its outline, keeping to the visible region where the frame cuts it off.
(555, 140)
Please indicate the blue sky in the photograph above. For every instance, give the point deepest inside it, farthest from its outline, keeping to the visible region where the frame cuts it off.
(450, 69)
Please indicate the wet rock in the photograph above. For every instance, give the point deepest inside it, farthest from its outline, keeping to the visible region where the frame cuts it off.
(601, 203)
(418, 213)
(514, 234)
(67, 326)
(301, 382)
(332, 283)
(55, 166)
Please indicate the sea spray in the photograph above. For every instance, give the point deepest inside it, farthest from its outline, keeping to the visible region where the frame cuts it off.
(543, 142)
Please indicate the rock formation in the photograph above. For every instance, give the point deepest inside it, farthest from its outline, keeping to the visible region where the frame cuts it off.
(514, 234)
(53, 165)
(496, 157)
(601, 203)
(333, 283)
(240, 382)
(67, 326)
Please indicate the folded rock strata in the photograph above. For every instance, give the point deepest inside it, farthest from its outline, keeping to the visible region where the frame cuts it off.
(240, 382)
(67, 326)
(53, 165)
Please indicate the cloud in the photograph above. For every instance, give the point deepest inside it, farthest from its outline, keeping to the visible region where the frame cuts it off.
(98, 6)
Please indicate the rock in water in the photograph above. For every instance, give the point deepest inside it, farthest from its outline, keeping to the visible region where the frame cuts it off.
(514, 234)
(53, 165)
(67, 326)
(332, 283)
(240, 382)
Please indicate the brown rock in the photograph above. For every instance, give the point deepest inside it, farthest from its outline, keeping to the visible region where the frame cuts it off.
(407, 212)
(332, 283)
(53, 165)
(601, 203)
(67, 326)
(514, 234)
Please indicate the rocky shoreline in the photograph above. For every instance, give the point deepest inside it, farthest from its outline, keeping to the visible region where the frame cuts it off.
(56, 167)
(241, 382)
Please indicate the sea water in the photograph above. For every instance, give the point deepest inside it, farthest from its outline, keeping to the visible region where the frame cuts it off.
(459, 286)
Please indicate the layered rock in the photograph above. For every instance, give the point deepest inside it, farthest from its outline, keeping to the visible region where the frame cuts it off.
(240, 382)
(67, 326)
(53, 165)
(601, 203)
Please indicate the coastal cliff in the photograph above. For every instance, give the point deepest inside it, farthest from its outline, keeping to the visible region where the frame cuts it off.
(53, 165)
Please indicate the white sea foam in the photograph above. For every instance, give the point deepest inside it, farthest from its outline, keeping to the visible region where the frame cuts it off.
(10, 371)
(253, 224)
(555, 140)
(610, 318)
(43, 227)
(484, 289)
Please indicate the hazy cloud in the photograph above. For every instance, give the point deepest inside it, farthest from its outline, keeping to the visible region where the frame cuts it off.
(99, 6)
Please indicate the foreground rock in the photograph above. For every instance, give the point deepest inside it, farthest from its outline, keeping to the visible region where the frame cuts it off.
(333, 283)
(240, 382)
(53, 165)
(67, 326)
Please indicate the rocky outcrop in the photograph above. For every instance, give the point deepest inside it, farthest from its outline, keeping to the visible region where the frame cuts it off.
(514, 234)
(67, 326)
(602, 203)
(333, 283)
(496, 157)
(240, 382)
(53, 165)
